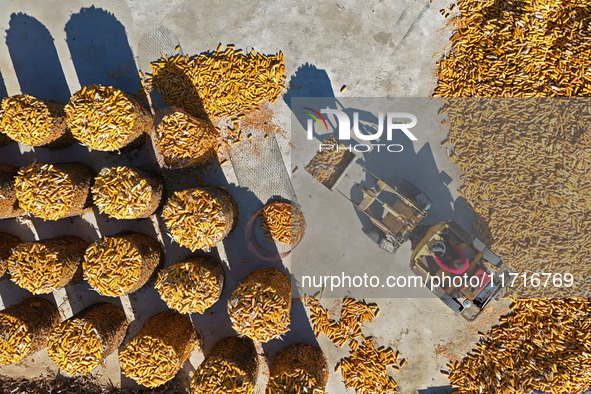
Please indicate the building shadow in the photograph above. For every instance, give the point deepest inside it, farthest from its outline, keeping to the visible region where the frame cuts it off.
(35, 59)
(100, 51)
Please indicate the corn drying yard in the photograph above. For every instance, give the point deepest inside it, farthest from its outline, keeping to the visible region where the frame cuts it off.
(146, 154)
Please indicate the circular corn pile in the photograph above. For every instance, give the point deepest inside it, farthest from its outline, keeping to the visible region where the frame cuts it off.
(192, 285)
(107, 119)
(160, 349)
(230, 368)
(200, 218)
(284, 222)
(518, 49)
(9, 205)
(25, 328)
(365, 370)
(221, 83)
(298, 369)
(35, 122)
(184, 141)
(121, 264)
(7, 243)
(80, 343)
(54, 191)
(126, 193)
(259, 308)
(542, 345)
(44, 266)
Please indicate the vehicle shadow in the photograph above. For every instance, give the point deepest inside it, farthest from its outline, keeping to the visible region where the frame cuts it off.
(100, 51)
(35, 60)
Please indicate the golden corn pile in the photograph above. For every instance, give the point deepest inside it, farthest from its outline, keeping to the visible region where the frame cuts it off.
(230, 368)
(299, 369)
(32, 121)
(25, 328)
(79, 344)
(54, 191)
(200, 218)
(121, 264)
(365, 370)
(544, 344)
(518, 49)
(221, 83)
(9, 205)
(192, 285)
(160, 349)
(107, 119)
(7, 243)
(327, 164)
(260, 307)
(44, 266)
(284, 222)
(354, 314)
(183, 140)
(126, 193)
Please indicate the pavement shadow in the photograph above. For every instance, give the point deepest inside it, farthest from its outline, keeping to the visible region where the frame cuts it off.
(437, 390)
(35, 59)
(3, 92)
(100, 51)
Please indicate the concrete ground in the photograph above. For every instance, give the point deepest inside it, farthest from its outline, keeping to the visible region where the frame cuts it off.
(375, 48)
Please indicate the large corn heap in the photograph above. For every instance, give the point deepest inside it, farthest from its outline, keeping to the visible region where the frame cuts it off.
(54, 191)
(126, 192)
(544, 344)
(7, 243)
(259, 308)
(523, 49)
(44, 266)
(107, 119)
(284, 222)
(160, 349)
(80, 343)
(298, 369)
(230, 368)
(221, 84)
(35, 122)
(185, 141)
(9, 206)
(25, 328)
(192, 285)
(121, 264)
(199, 218)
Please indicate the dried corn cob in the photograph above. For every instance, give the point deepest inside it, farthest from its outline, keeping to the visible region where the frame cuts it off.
(327, 164)
(230, 368)
(35, 122)
(365, 370)
(200, 218)
(54, 191)
(192, 285)
(80, 343)
(284, 222)
(126, 193)
(259, 308)
(25, 328)
(184, 141)
(298, 369)
(107, 119)
(121, 264)
(221, 83)
(44, 266)
(353, 315)
(9, 206)
(160, 349)
(7, 243)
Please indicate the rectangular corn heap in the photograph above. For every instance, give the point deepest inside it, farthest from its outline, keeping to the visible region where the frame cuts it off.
(221, 83)
(328, 164)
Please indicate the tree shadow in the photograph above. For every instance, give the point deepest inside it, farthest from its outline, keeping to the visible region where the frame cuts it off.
(100, 50)
(35, 59)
